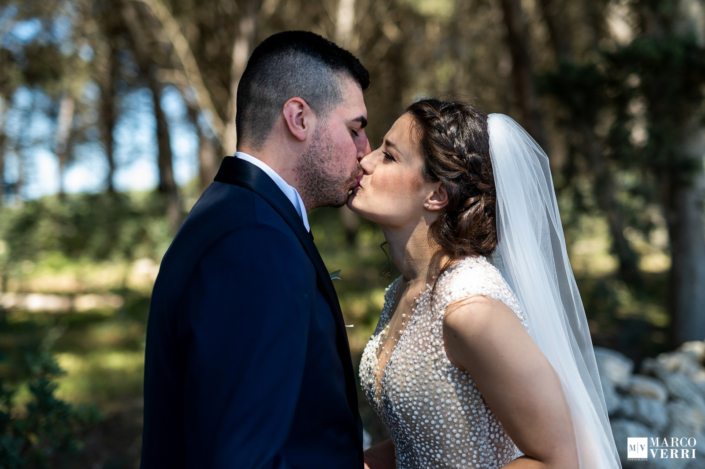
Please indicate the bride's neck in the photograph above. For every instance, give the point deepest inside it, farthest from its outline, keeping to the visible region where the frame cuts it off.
(413, 253)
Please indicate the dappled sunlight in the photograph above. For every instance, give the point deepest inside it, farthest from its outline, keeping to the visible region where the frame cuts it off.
(143, 272)
(360, 306)
(42, 302)
(101, 334)
(362, 310)
(68, 277)
(590, 253)
(100, 376)
(654, 263)
(65, 276)
(653, 250)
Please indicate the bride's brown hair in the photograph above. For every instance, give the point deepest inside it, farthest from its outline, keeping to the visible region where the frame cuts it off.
(455, 145)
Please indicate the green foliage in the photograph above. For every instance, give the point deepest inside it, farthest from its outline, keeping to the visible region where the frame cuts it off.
(47, 429)
(653, 85)
(580, 88)
(86, 226)
(10, 75)
(668, 73)
(45, 68)
(671, 75)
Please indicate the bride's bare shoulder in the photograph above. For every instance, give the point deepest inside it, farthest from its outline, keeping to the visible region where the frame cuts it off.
(475, 315)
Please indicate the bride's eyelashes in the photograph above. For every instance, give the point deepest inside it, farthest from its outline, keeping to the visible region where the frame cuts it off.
(388, 156)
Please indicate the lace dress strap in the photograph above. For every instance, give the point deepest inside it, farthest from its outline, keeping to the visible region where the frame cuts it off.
(473, 277)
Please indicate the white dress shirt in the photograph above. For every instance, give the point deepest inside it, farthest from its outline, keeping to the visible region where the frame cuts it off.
(289, 191)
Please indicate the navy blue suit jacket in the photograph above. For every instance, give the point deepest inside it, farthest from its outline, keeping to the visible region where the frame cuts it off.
(247, 362)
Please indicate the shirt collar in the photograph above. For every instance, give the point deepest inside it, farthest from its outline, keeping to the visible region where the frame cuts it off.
(289, 191)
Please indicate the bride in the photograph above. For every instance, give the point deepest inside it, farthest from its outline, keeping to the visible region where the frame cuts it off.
(482, 357)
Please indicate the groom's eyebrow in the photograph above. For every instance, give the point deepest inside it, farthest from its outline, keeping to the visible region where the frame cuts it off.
(362, 120)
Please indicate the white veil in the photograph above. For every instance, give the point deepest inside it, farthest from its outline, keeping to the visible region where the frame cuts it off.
(532, 257)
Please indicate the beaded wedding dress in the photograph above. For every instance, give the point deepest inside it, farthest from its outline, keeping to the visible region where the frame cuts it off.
(435, 413)
(436, 416)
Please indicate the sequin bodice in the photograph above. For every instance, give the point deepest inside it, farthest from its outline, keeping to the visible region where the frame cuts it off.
(436, 416)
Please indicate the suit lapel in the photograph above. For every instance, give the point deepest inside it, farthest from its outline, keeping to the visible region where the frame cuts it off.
(241, 173)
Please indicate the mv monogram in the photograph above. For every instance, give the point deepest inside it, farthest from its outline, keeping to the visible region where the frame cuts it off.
(642, 448)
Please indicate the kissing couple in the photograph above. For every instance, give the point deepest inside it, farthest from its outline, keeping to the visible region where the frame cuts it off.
(482, 357)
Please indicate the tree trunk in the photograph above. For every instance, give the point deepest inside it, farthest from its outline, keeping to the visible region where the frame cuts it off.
(556, 30)
(3, 138)
(605, 191)
(167, 182)
(604, 186)
(684, 192)
(686, 226)
(523, 71)
(2, 168)
(242, 48)
(688, 230)
(207, 161)
(61, 138)
(344, 23)
(108, 114)
(172, 30)
(459, 46)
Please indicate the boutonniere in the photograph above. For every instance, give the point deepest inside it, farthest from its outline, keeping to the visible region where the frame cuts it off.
(336, 276)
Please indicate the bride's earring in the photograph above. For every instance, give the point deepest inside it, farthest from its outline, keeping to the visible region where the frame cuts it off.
(425, 205)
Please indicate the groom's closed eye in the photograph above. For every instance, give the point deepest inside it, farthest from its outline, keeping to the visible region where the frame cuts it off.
(360, 123)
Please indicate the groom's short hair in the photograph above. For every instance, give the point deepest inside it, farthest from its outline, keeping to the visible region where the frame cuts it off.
(286, 65)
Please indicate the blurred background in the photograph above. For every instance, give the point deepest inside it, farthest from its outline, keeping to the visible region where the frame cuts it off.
(115, 114)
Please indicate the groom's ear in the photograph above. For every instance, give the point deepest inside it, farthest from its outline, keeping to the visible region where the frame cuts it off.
(299, 118)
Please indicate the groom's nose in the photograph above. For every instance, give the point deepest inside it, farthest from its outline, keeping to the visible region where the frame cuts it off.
(363, 146)
(368, 148)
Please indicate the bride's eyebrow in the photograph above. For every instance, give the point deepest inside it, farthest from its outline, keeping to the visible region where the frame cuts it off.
(390, 144)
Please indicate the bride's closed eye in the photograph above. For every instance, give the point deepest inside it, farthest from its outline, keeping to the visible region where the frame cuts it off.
(388, 156)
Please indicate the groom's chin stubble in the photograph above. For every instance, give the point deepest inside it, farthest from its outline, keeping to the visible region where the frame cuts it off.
(340, 201)
(338, 198)
(324, 194)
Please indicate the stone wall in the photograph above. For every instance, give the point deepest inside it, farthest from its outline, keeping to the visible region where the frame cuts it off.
(665, 400)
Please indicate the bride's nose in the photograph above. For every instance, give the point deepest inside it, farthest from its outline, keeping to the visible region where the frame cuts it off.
(367, 162)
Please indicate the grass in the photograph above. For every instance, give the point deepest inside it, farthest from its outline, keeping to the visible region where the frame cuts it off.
(102, 349)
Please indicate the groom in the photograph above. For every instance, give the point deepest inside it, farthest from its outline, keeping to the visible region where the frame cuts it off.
(247, 360)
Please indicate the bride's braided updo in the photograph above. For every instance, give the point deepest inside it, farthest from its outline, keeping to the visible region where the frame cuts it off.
(456, 148)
